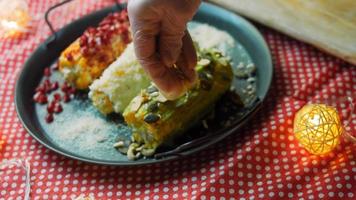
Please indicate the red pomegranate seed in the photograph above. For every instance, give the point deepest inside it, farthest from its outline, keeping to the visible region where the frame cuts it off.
(47, 82)
(57, 108)
(41, 88)
(71, 90)
(66, 98)
(42, 99)
(83, 41)
(91, 30)
(92, 42)
(49, 118)
(54, 86)
(65, 87)
(36, 96)
(69, 57)
(85, 50)
(57, 97)
(50, 107)
(47, 72)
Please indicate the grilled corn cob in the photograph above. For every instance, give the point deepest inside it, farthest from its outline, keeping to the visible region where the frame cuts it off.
(119, 84)
(88, 56)
(155, 120)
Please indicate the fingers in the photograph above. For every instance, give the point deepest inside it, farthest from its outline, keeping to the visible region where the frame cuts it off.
(170, 39)
(173, 28)
(145, 25)
(161, 40)
(189, 51)
(170, 47)
(188, 59)
(165, 78)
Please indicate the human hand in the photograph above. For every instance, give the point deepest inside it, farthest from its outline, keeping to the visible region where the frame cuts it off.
(163, 46)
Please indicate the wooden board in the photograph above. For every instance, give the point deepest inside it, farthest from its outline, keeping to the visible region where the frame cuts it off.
(327, 24)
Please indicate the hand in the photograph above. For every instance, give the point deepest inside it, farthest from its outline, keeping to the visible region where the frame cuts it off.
(163, 46)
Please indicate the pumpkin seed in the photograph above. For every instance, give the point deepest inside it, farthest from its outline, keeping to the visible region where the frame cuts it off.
(223, 61)
(181, 101)
(136, 103)
(154, 94)
(132, 154)
(152, 106)
(119, 144)
(122, 146)
(147, 152)
(204, 62)
(151, 118)
(161, 98)
(152, 89)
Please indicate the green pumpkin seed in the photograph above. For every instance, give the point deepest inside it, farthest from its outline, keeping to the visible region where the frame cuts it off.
(154, 94)
(152, 106)
(152, 89)
(151, 118)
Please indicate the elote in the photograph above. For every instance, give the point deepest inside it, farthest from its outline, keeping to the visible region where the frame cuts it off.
(119, 84)
(155, 120)
(88, 56)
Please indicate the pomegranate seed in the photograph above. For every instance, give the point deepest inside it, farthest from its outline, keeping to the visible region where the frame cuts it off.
(42, 99)
(65, 87)
(92, 42)
(85, 50)
(47, 82)
(36, 96)
(83, 41)
(57, 108)
(91, 30)
(50, 107)
(49, 118)
(69, 57)
(102, 58)
(71, 90)
(66, 98)
(47, 72)
(54, 86)
(41, 88)
(57, 97)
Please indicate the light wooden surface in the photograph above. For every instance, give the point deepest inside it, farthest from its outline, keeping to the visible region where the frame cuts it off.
(329, 25)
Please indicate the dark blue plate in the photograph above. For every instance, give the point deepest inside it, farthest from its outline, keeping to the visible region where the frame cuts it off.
(251, 48)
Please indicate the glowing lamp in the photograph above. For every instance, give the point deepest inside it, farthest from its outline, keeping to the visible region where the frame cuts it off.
(318, 127)
(14, 17)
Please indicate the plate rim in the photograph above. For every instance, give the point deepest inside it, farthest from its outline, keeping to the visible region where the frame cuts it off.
(226, 133)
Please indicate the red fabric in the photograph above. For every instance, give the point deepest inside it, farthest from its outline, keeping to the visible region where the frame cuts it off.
(263, 160)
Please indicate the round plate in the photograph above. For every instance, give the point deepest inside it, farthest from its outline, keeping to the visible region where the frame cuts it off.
(47, 53)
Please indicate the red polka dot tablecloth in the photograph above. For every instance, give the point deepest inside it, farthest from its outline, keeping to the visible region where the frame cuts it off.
(261, 161)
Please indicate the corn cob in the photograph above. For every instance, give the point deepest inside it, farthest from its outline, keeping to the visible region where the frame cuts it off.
(88, 56)
(119, 84)
(155, 120)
